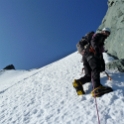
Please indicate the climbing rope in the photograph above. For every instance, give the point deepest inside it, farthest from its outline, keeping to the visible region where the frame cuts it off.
(96, 103)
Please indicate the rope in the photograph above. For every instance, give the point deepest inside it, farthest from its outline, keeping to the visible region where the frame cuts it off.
(97, 110)
(96, 103)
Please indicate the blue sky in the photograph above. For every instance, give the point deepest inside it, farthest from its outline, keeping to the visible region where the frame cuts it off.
(34, 33)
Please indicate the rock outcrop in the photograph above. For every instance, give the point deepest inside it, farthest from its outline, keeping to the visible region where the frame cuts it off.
(9, 67)
(114, 19)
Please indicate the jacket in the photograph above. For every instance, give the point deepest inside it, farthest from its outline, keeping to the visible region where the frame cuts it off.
(97, 43)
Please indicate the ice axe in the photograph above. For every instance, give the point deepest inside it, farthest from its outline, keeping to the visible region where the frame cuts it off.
(109, 78)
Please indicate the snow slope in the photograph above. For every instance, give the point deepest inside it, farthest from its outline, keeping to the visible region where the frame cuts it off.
(46, 96)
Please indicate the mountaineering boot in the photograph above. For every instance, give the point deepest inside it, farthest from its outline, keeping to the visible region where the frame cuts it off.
(101, 90)
(78, 87)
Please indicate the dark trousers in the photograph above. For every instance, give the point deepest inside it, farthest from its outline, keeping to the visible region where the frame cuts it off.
(92, 70)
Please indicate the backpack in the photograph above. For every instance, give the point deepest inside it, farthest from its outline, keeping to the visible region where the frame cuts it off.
(85, 42)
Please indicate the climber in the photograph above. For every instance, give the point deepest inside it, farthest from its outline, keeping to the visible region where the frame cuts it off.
(93, 64)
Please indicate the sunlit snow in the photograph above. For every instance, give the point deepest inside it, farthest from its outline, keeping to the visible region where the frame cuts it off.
(46, 96)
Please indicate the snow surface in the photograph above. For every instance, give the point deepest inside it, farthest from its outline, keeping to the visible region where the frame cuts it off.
(46, 96)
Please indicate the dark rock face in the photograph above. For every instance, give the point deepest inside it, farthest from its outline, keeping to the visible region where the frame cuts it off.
(9, 67)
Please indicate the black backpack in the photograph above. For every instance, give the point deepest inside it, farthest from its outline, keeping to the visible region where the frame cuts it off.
(85, 41)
